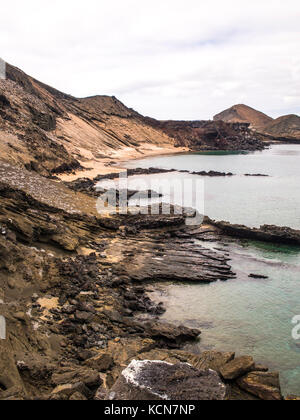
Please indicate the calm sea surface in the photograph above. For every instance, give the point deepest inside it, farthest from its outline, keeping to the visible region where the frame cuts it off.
(247, 200)
(245, 315)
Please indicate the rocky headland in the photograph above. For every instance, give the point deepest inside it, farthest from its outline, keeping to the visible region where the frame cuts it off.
(285, 128)
(74, 283)
(266, 233)
(74, 291)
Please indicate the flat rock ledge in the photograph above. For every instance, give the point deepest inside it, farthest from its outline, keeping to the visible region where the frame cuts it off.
(158, 380)
(266, 233)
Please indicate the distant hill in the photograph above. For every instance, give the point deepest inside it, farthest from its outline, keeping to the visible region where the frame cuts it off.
(286, 127)
(244, 113)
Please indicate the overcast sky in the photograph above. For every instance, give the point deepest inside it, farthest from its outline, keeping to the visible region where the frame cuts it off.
(170, 59)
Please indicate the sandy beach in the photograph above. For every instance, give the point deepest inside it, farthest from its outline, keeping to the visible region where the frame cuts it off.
(114, 162)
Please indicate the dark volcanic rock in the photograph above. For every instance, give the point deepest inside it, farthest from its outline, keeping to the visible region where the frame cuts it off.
(261, 175)
(266, 233)
(132, 172)
(156, 380)
(211, 135)
(173, 256)
(75, 298)
(258, 276)
(169, 333)
(212, 173)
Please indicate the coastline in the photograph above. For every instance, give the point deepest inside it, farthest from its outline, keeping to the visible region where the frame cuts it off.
(112, 260)
(113, 164)
(122, 256)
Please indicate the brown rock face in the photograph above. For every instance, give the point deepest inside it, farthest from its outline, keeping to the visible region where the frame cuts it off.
(237, 367)
(210, 135)
(157, 380)
(264, 385)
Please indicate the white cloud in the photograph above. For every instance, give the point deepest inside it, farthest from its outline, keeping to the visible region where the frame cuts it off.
(167, 59)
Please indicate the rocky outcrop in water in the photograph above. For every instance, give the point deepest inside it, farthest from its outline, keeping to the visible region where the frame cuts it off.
(74, 292)
(73, 283)
(266, 233)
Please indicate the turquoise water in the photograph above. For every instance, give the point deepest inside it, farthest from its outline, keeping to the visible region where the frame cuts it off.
(248, 316)
(245, 315)
(252, 201)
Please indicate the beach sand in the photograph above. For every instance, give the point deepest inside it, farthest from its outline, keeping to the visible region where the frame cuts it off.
(114, 162)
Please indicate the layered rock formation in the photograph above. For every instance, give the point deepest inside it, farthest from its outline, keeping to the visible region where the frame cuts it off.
(266, 233)
(73, 287)
(73, 283)
(49, 132)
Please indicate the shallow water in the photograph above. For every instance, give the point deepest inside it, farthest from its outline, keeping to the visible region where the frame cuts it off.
(245, 315)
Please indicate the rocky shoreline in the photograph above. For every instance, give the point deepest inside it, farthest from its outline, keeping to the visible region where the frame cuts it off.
(266, 233)
(155, 171)
(74, 284)
(74, 292)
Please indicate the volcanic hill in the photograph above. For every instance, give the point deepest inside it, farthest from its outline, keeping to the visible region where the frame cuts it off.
(50, 132)
(286, 127)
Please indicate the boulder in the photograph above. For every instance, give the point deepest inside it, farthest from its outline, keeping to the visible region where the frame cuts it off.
(265, 385)
(260, 368)
(157, 380)
(101, 363)
(237, 367)
(213, 360)
(89, 377)
(83, 317)
(170, 334)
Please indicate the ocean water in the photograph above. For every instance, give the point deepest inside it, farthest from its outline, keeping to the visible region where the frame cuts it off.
(245, 315)
(252, 201)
